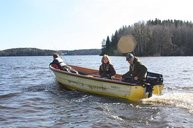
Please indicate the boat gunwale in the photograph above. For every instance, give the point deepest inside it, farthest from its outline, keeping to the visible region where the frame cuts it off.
(94, 78)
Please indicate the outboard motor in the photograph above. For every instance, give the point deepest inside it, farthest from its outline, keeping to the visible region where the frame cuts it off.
(151, 80)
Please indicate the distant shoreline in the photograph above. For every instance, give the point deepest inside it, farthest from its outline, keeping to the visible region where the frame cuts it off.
(43, 52)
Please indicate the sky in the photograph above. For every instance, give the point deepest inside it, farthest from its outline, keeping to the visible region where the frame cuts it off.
(78, 24)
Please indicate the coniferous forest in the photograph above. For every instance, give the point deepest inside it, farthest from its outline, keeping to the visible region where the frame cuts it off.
(155, 38)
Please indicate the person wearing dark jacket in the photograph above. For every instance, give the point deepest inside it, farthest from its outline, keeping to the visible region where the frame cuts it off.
(106, 69)
(137, 71)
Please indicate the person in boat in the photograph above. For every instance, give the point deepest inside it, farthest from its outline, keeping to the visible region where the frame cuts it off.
(137, 71)
(106, 69)
(60, 64)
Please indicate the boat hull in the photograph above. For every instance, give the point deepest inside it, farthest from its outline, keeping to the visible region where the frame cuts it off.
(101, 86)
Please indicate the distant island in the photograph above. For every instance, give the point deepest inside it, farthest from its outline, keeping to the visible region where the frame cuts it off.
(43, 52)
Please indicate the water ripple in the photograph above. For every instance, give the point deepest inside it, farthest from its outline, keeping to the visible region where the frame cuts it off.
(8, 95)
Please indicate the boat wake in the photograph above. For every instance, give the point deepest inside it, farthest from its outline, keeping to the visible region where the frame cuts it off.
(182, 100)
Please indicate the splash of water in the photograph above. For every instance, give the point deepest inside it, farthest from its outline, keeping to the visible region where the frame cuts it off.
(178, 99)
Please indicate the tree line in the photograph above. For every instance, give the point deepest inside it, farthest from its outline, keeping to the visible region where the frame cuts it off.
(42, 52)
(155, 38)
(26, 52)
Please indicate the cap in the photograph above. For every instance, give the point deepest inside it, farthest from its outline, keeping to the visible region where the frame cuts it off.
(129, 56)
(55, 55)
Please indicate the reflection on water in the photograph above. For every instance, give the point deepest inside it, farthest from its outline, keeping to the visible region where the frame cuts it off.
(30, 97)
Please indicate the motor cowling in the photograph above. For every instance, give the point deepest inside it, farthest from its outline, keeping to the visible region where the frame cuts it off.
(152, 79)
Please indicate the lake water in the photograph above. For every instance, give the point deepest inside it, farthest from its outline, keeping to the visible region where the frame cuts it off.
(30, 96)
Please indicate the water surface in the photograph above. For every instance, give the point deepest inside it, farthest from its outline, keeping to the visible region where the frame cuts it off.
(30, 96)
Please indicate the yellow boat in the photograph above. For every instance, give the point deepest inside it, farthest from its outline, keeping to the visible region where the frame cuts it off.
(89, 81)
